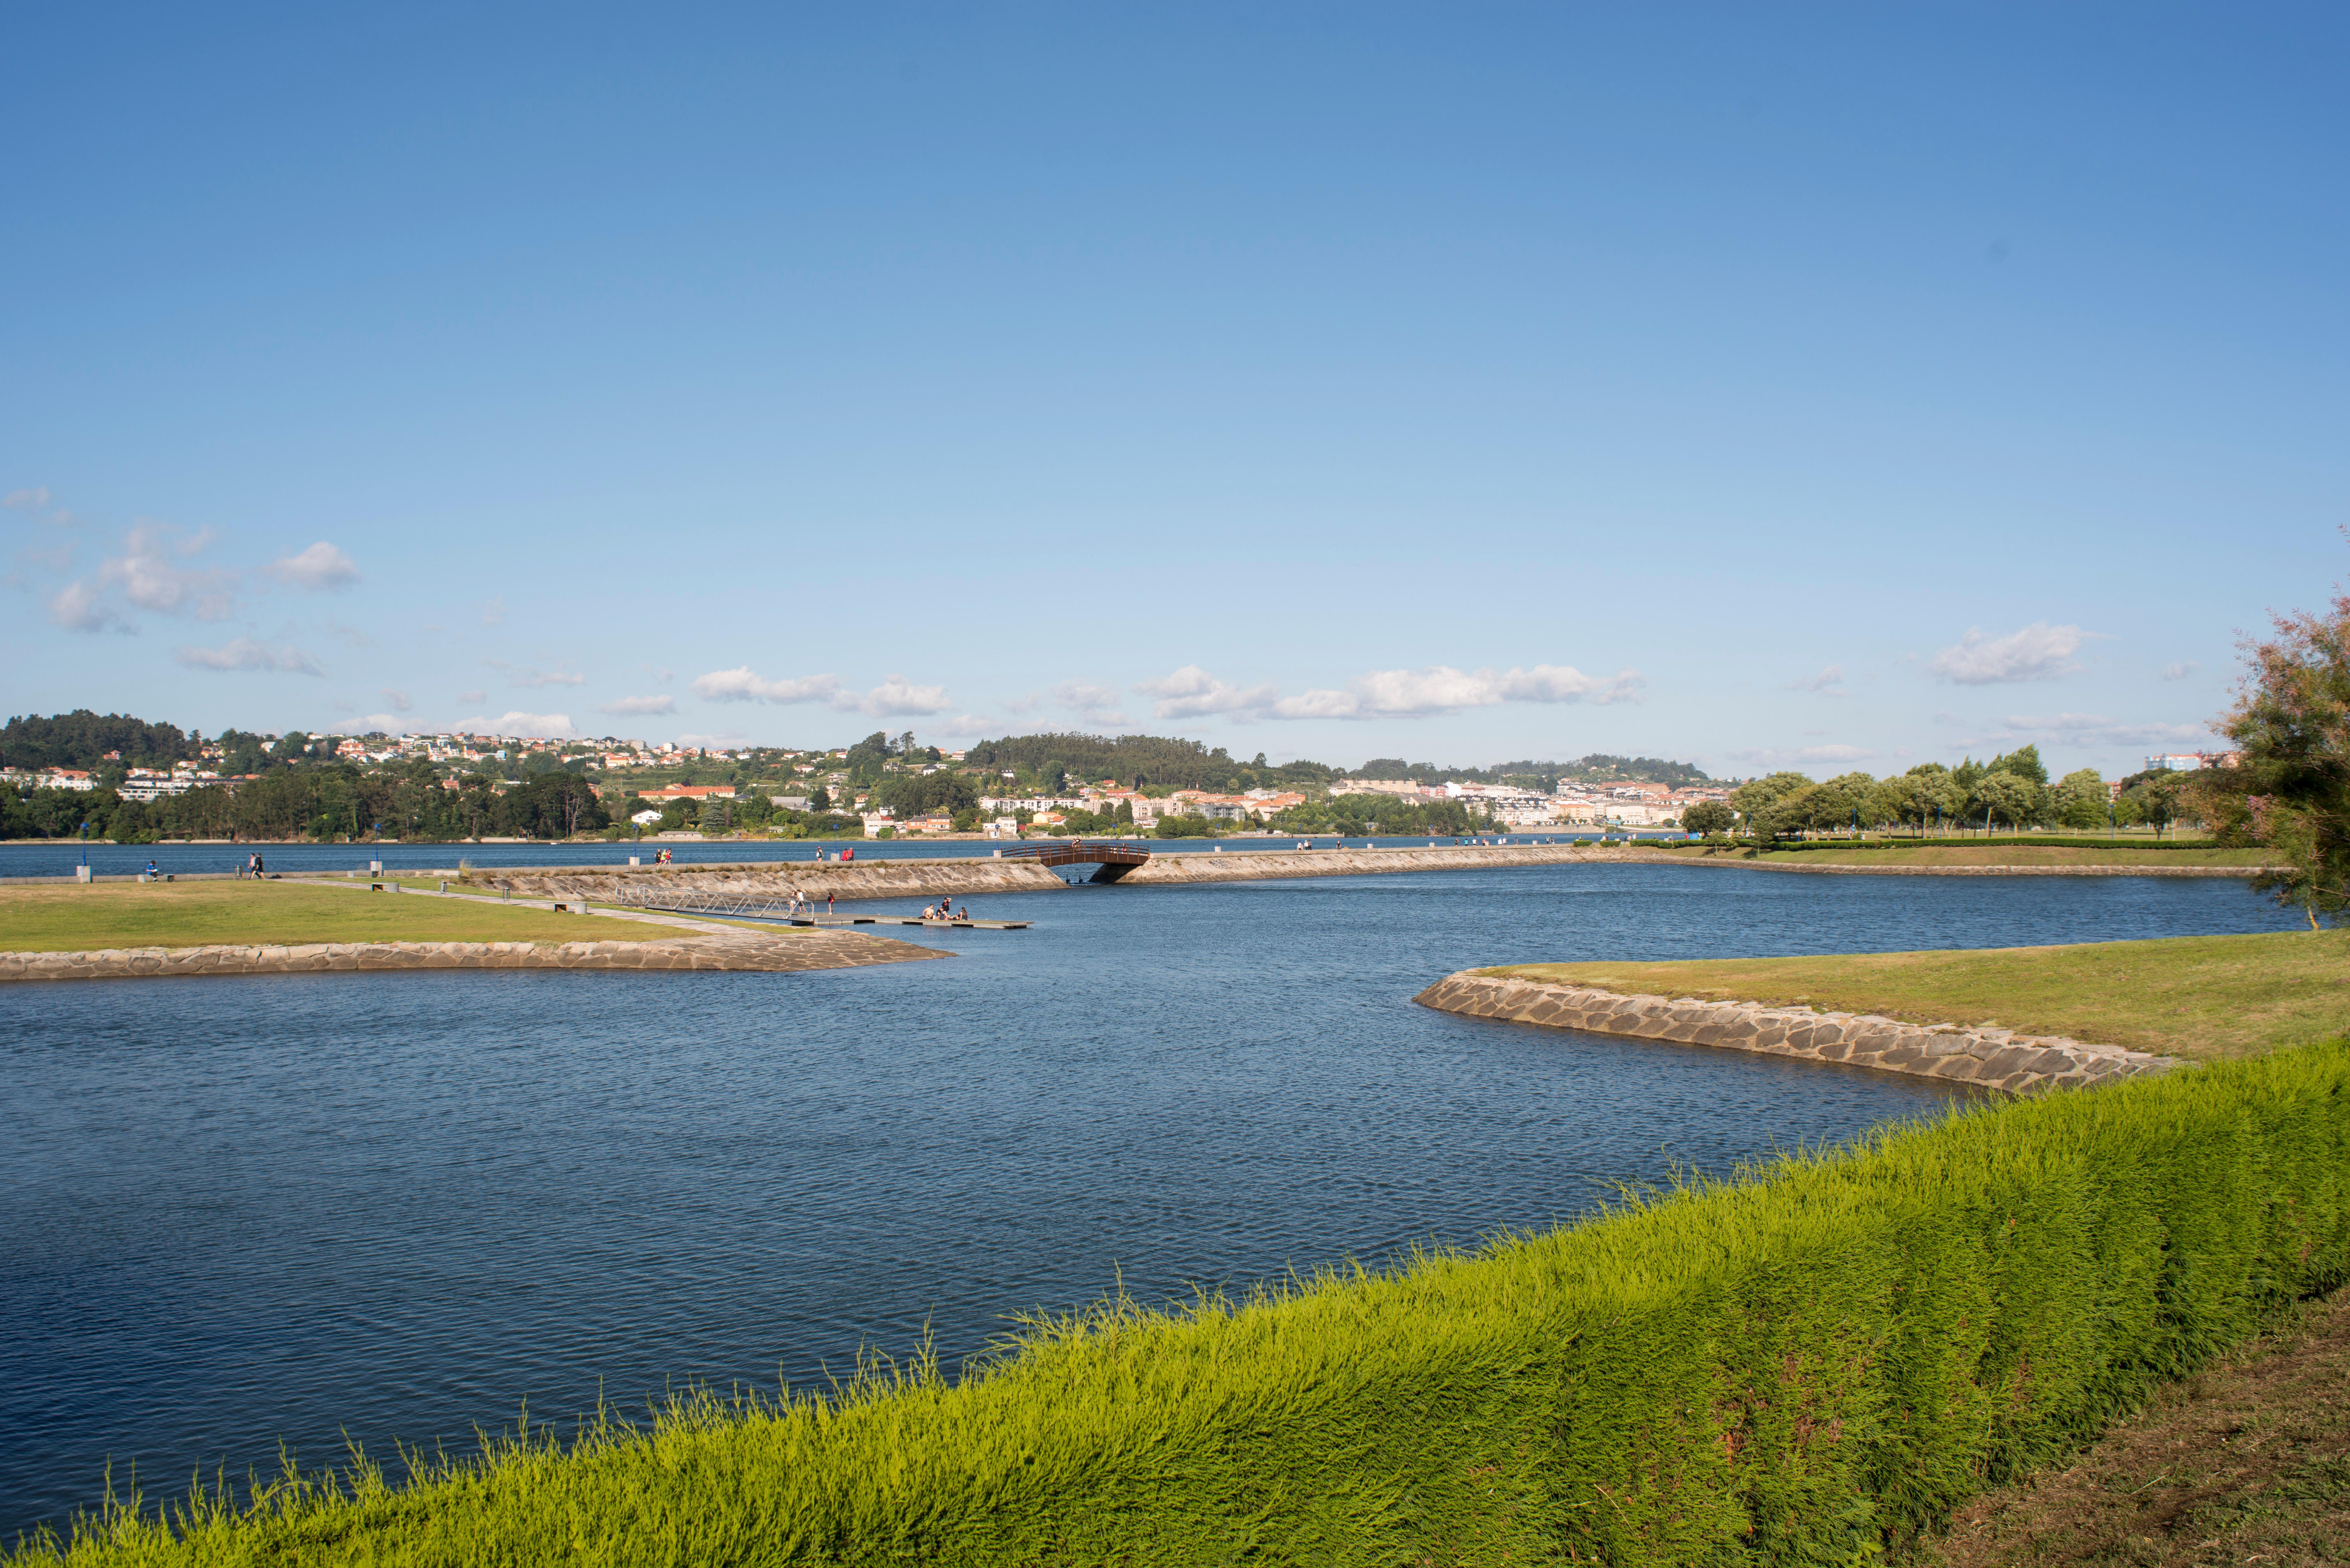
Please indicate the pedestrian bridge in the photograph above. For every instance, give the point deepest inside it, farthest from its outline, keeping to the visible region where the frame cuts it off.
(1112, 859)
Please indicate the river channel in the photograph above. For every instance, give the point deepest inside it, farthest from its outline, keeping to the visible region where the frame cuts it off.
(400, 1205)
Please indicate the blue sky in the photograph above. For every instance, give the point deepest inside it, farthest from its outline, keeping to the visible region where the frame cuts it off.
(1825, 387)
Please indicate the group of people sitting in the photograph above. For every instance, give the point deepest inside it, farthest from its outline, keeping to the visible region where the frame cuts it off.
(944, 909)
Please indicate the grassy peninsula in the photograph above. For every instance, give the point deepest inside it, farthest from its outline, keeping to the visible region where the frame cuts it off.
(71, 918)
(2202, 997)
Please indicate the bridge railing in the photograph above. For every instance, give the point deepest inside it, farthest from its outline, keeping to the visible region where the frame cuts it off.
(1049, 848)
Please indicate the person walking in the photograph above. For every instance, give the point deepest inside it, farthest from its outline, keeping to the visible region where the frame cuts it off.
(827, 903)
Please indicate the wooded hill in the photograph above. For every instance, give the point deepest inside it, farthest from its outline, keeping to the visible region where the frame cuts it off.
(81, 740)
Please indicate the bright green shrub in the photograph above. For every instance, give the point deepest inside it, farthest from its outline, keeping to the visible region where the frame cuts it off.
(1789, 1369)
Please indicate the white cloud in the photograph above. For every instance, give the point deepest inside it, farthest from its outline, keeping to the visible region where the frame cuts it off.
(1780, 757)
(1097, 704)
(31, 500)
(2178, 672)
(2038, 652)
(1828, 683)
(494, 612)
(77, 606)
(741, 684)
(548, 678)
(896, 698)
(471, 697)
(369, 725)
(244, 653)
(638, 707)
(318, 567)
(962, 724)
(2085, 730)
(1191, 693)
(1440, 689)
(398, 698)
(545, 726)
(1027, 704)
(149, 578)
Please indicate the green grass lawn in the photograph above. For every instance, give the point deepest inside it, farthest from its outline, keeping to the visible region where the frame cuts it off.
(75, 919)
(1989, 852)
(2199, 997)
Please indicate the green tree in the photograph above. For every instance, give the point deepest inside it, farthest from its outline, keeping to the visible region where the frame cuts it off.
(2288, 789)
(2080, 799)
(1759, 801)
(2024, 763)
(1708, 817)
(2006, 798)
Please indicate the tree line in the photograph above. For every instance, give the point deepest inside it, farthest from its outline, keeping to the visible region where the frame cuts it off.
(323, 803)
(2012, 790)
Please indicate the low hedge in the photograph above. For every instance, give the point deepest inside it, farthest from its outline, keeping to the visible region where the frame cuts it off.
(1794, 1368)
(1996, 840)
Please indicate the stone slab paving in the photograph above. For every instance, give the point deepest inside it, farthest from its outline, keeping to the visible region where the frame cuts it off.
(1992, 1058)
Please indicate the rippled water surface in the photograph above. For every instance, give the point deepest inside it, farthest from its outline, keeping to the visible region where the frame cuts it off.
(237, 1210)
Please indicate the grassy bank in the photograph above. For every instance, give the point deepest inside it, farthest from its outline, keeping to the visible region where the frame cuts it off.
(75, 919)
(2246, 1462)
(1987, 852)
(1794, 1368)
(2204, 998)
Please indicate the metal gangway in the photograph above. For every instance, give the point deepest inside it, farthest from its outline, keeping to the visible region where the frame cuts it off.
(749, 906)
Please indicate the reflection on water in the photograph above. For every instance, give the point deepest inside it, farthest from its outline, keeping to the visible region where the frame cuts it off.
(402, 1205)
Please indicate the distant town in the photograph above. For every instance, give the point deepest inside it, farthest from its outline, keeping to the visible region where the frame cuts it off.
(123, 778)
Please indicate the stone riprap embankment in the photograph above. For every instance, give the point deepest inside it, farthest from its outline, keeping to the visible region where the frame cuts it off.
(979, 875)
(1991, 1058)
(734, 950)
(859, 879)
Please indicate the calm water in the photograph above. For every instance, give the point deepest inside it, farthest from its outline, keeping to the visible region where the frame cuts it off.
(57, 858)
(237, 1210)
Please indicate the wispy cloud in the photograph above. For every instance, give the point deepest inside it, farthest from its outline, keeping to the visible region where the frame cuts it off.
(2038, 652)
(742, 684)
(638, 707)
(1799, 757)
(494, 612)
(2178, 672)
(1828, 683)
(148, 573)
(398, 698)
(79, 607)
(368, 724)
(1095, 705)
(896, 697)
(31, 500)
(2090, 730)
(319, 568)
(1191, 693)
(548, 678)
(245, 653)
(473, 697)
(547, 726)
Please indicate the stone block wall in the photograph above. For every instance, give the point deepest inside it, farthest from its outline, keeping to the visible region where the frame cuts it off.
(1993, 1058)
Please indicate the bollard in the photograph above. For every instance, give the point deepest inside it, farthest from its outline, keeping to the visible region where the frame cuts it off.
(632, 862)
(81, 874)
(445, 887)
(375, 868)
